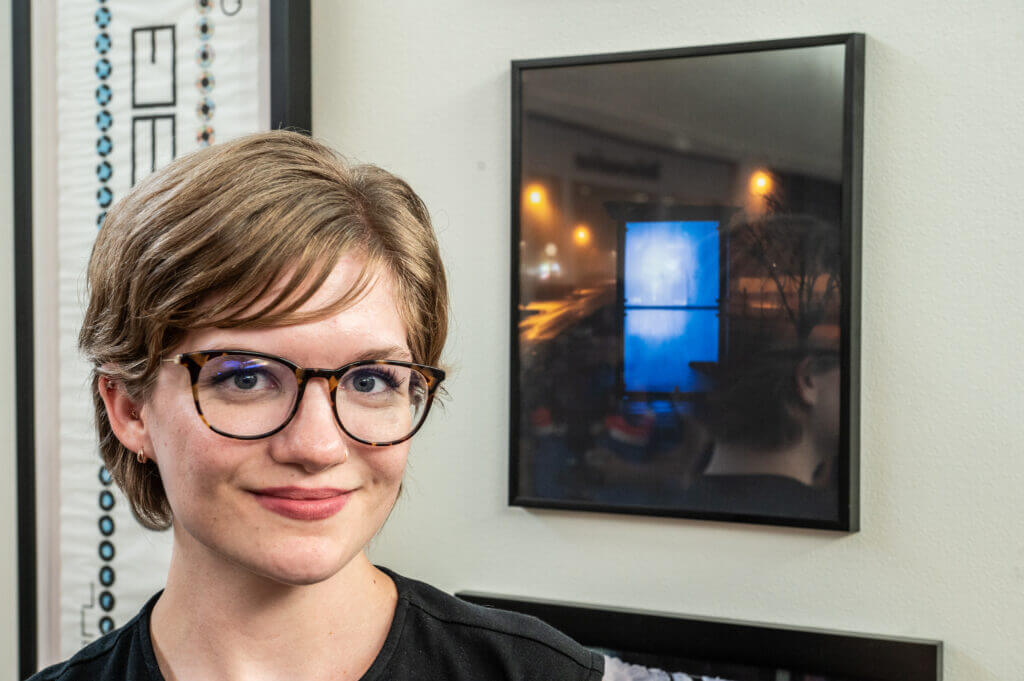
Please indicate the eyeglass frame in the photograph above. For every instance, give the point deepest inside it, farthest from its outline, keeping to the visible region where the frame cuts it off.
(192, 362)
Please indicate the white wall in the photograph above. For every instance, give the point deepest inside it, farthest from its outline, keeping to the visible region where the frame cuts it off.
(422, 88)
(8, 502)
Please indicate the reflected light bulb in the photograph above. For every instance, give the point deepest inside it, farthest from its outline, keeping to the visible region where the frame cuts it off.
(582, 235)
(536, 194)
(760, 183)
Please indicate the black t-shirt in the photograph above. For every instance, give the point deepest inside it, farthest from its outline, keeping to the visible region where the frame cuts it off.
(434, 636)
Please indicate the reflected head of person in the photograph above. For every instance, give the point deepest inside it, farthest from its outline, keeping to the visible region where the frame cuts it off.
(775, 420)
(264, 321)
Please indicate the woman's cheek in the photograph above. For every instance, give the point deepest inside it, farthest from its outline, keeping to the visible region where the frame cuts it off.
(389, 466)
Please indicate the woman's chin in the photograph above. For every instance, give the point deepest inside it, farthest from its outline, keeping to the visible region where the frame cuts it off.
(298, 573)
(301, 564)
(301, 578)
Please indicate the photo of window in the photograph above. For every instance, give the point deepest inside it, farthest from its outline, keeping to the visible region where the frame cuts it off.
(685, 282)
(672, 286)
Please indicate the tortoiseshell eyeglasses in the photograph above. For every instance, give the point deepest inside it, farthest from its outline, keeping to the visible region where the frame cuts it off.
(250, 395)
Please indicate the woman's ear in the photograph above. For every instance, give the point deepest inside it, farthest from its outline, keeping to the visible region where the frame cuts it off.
(124, 415)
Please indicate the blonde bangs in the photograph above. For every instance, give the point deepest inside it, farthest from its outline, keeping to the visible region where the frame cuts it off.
(237, 307)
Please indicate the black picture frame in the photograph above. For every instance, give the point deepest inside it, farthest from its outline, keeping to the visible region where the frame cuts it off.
(846, 517)
(644, 637)
(290, 107)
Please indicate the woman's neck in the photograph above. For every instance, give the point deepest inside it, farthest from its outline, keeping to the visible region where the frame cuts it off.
(216, 620)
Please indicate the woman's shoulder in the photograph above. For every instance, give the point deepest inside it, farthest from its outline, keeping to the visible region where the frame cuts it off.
(438, 625)
(110, 657)
(95, 661)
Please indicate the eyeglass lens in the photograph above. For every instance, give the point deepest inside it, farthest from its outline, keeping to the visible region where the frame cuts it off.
(250, 396)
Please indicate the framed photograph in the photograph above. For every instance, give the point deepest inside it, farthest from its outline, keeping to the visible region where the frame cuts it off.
(651, 646)
(105, 94)
(685, 282)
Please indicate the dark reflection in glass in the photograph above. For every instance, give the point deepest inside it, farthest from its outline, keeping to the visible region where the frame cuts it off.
(679, 283)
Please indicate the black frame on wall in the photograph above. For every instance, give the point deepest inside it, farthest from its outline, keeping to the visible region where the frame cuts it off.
(843, 655)
(849, 270)
(290, 107)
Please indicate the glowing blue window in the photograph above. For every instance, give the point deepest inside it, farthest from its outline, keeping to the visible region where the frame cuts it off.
(672, 286)
(672, 263)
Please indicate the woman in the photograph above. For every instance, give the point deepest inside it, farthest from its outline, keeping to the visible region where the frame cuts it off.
(264, 321)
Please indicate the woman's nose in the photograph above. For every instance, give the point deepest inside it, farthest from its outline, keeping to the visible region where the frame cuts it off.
(313, 439)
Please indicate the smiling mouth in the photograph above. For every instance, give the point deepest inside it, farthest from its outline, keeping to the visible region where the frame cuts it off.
(301, 493)
(302, 504)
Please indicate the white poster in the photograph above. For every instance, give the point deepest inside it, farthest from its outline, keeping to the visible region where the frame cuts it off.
(138, 83)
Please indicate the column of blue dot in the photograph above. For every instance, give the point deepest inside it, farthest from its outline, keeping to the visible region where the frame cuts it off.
(204, 84)
(104, 197)
(104, 171)
(106, 551)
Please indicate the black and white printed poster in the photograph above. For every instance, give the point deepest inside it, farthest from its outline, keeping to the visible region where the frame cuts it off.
(137, 84)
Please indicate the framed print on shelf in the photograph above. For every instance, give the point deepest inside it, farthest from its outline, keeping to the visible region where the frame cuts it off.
(657, 645)
(686, 282)
(106, 93)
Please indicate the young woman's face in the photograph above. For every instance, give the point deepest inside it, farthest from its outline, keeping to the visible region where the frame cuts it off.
(214, 483)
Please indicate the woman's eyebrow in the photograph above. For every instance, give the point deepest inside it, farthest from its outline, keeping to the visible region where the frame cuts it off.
(388, 352)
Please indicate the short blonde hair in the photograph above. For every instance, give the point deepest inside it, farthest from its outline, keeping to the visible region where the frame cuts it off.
(241, 219)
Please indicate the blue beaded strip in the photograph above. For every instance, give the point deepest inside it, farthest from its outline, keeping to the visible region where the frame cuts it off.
(104, 120)
(205, 82)
(104, 197)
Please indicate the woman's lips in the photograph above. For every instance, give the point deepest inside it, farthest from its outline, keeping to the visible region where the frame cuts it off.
(302, 504)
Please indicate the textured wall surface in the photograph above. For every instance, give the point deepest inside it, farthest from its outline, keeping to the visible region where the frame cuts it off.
(422, 88)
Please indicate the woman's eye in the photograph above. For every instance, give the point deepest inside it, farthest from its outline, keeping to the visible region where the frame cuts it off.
(371, 381)
(246, 381)
(365, 384)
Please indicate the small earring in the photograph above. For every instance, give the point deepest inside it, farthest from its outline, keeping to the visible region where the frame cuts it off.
(141, 456)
